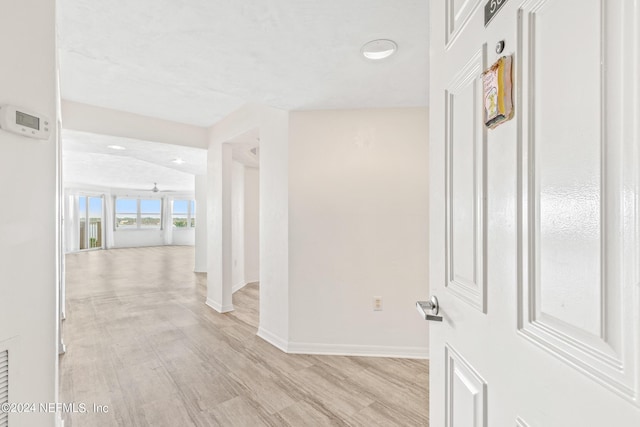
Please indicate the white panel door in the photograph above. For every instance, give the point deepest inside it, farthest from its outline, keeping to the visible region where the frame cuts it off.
(535, 225)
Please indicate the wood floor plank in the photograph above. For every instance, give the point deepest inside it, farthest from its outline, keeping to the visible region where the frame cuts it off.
(304, 413)
(141, 341)
(378, 414)
(240, 412)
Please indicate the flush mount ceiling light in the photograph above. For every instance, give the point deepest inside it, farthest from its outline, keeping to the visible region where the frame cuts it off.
(178, 161)
(116, 147)
(379, 49)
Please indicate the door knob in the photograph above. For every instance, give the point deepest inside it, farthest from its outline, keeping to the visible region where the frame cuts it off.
(429, 309)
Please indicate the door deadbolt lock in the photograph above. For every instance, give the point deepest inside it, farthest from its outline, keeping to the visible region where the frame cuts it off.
(429, 309)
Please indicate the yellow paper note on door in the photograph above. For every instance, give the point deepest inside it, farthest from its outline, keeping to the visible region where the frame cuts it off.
(497, 85)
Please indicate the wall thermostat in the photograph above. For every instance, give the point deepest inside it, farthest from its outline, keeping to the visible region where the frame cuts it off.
(26, 123)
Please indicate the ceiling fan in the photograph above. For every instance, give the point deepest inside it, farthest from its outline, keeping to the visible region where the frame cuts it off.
(155, 189)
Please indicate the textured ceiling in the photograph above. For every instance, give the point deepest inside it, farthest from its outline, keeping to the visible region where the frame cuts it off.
(195, 61)
(87, 160)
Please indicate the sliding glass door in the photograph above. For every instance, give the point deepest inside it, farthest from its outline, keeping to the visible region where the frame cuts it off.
(90, 213)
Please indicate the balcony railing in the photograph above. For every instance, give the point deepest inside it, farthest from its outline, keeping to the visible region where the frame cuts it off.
(95, 234)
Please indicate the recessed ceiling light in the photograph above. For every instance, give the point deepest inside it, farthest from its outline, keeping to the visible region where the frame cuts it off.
(178, 161)
(116, 147)
(379, 49)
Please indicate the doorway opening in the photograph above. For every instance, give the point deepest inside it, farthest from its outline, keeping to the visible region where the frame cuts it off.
(90, 222)
(245, 225)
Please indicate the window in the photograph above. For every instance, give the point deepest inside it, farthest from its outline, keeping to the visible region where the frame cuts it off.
(150, 213)
(138, 213)
(192, 213)
(184, 213)
(126, 213)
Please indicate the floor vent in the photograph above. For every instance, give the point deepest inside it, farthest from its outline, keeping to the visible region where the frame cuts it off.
(4, 386)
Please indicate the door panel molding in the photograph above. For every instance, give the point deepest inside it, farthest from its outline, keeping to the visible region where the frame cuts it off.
(457, 18)
(465, 184)
(606, 348)
(465, 392)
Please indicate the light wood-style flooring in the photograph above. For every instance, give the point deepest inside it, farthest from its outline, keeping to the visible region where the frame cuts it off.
(141, 341)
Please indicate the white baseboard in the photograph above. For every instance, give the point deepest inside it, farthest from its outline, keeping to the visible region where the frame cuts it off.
(273, 339)
(358, 350)
(238, 286)
(218, 307)
(241, 285)
(343, 349)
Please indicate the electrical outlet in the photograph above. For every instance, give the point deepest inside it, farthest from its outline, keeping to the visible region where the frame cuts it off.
(377, 303)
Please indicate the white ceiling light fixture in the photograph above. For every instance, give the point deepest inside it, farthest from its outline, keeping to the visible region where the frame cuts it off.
(116, 147)
(379, 49)
(178, 161)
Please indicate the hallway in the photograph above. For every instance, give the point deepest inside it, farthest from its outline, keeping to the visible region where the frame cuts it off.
(141, 342)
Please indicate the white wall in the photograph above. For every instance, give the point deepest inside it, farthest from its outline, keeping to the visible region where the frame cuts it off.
(28, 247)
(358, 229)
(219, 264)
(237, 226)
(137, 238)
(343, 218)
(273, 125)
(245, 226)
(251, 224)
(104, 121)
(71, 223)
(274, 227)
(200, 238)
(183, 237)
